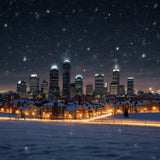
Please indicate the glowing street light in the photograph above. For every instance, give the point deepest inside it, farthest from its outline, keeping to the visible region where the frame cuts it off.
(2, 109)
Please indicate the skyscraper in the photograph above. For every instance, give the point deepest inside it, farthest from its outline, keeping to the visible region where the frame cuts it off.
(21, 89)
(79, 85)
(44, 89)
(121, 90)
(130, 86)
(106, 88)
(72, 90)
(99, 84)
(54, 83)
(66, 78)
(116, 75)
(89, 90)
(34, 84)
(114, 89)
(114, 85)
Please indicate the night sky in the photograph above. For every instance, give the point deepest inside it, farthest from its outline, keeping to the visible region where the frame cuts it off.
(94, 34)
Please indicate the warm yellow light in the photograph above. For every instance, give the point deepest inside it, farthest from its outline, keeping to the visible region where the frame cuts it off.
(154, 108)
(17, 112)
(26, 113)
(119, 111)
(2, 109)
(33, 113)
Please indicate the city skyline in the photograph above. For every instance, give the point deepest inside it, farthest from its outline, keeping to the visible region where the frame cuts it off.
(72, 80)
(100, 87)
(95, 36)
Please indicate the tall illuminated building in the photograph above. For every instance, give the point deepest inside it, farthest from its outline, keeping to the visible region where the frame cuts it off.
(114, 89)
(72, 90)
(114, 85)
(44, 89)
(66, 78)
(21, 89)
(121, 90)
(116, 78)
(99, 84)
(54, 83)
(89, 90)
(79, 85)
(34, 84)
(106, 88)
(130, 86)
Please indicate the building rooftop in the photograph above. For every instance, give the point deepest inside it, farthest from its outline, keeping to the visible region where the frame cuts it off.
(34, 75)
(116, 68)
(67, 61)
(78, 76)
(130, 77)
(54, 67)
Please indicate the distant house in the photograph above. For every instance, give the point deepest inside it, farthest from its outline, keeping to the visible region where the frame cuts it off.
(53, 109)
(28, 110)
(74, 111)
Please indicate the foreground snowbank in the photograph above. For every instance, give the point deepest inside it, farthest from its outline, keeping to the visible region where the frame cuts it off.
(59, 141)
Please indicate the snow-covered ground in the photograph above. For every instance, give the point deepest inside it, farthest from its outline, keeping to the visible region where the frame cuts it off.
(139, 116)
(6, 115)
(24, 140)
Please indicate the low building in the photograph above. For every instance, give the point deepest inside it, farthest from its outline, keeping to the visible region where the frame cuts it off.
(53, 110)
(74, 111)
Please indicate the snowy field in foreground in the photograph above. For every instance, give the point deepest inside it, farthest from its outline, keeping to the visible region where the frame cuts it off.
(21, 140)
(140, 116)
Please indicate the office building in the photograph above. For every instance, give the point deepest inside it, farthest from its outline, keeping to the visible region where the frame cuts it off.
(89, 90)
(114, 89)
(66, 78)
(44, 89)
(116, 76)
(72, 90)
(130, 86)
(79, 85)
(34, 84)
(21, 89)
(99, 84)
(114, 85)
(54, 82)
(121, 90)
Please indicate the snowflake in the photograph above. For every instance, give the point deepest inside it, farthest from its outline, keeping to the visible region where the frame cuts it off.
(143, 55)
(146, 28)
(48, 11)
(64, 29)
(154, 23)
(155, 5)
(117, 48)
(131, 43)
(5, 25)
(36, 15)
(96, 9)
(25, 148)
(24, 59)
